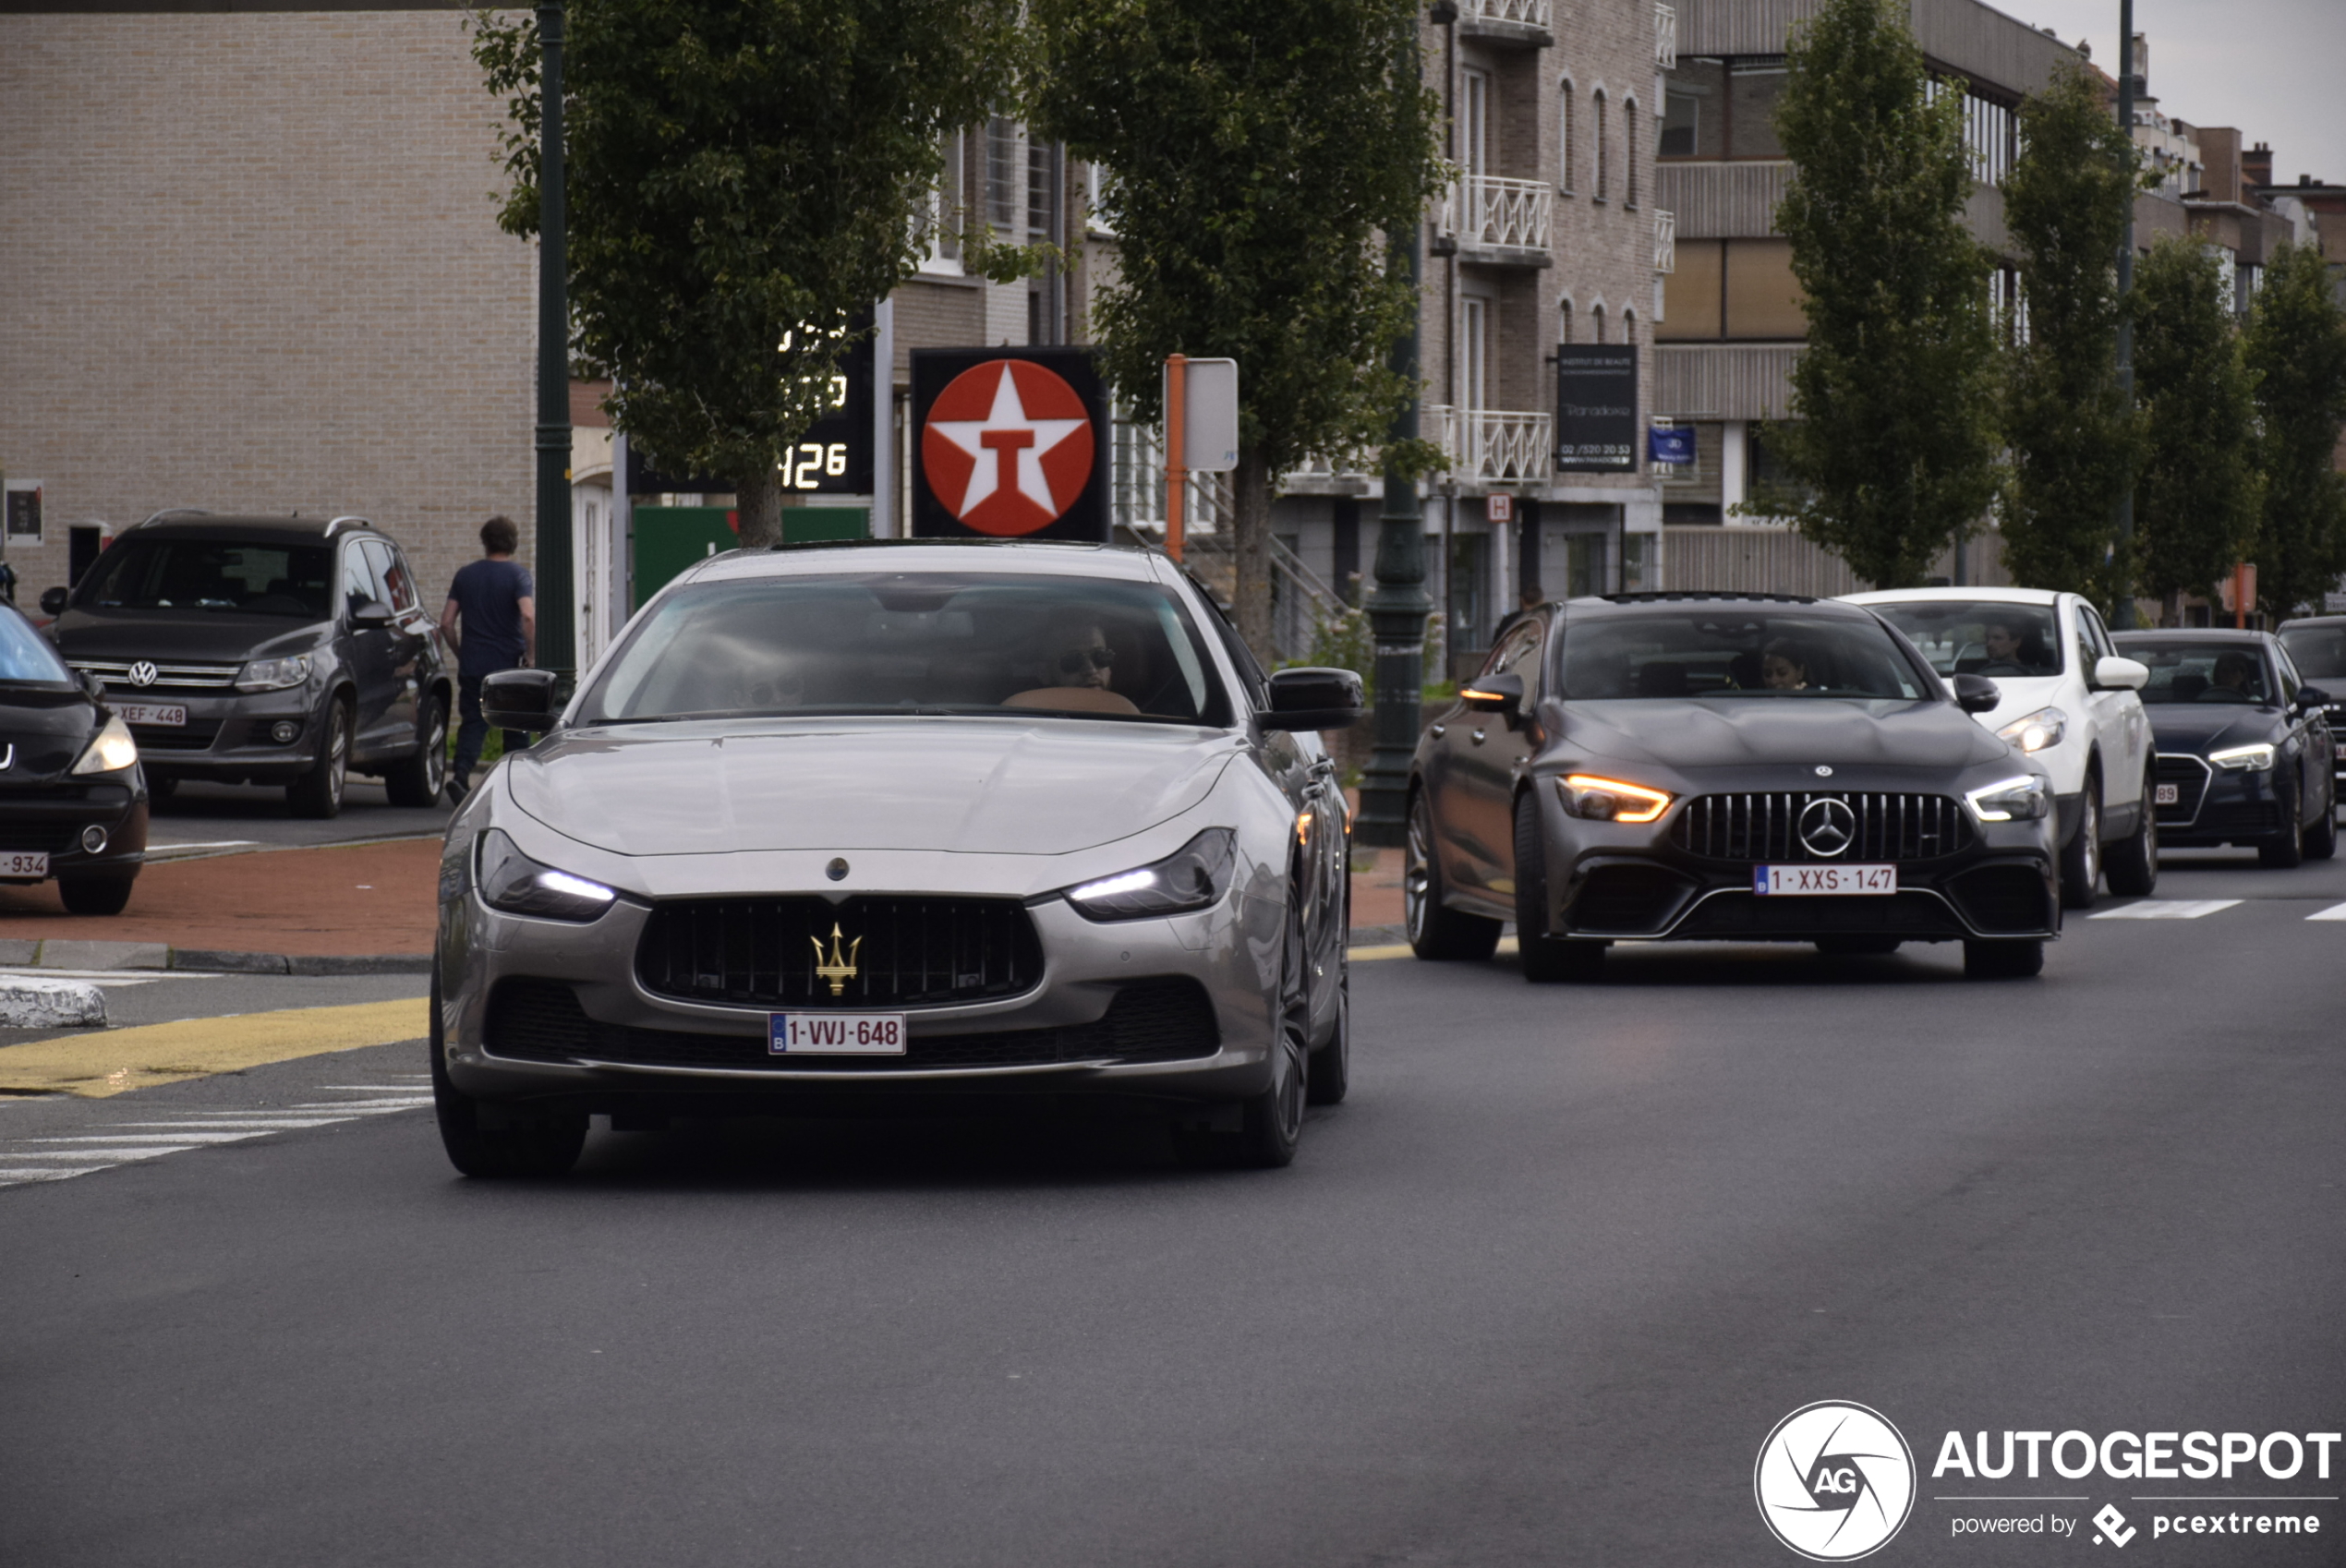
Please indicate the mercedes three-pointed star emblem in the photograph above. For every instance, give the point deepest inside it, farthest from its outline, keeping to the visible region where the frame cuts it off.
(1828, 827)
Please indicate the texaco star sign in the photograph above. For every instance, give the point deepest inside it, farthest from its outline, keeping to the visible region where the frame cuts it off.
(1008, 447)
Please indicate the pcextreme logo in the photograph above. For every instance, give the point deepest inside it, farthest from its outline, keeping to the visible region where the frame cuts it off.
(1835, 1481)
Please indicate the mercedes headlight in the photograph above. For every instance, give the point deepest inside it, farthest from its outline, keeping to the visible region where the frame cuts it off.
(2035, 731)
(1190, 878)
(274, 675)
(111, 751)
(511, 881)
(2010, 799)
(2244, 759)
(1610, 799)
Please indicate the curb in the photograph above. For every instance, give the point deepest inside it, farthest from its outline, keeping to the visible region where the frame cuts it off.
(1376, 935)
(59, 953)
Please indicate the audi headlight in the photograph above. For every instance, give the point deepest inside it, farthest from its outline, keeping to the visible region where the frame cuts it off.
(2244, 759)
(1610, 799)
(2035, 731)
(2010, 799)
(513, 882)
(274, 675)
(111, 751)
(1190, 878)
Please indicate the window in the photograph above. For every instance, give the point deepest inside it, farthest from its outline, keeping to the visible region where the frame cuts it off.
(1629, 140)
(1602, 185)
(1474, 352)
(1474, 122)
(1681, 118)
(1002, 173)
(181, 573)
(1563, 138)
(1689, 654)
(1564, 320)
(358, 582)
(1628, 326)
(940, 213)
(1099, 188)
(1038, 192)
(1596, 323)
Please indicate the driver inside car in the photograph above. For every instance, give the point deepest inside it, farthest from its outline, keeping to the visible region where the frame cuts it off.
(1081, 664)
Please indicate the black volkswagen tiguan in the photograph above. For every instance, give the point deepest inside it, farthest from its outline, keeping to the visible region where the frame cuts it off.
(265, 650)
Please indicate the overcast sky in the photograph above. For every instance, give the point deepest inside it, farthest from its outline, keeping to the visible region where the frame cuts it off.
(2270, 67)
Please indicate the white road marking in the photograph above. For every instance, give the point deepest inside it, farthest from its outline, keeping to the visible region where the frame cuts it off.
(206, 1134)
(109, 976)
(11, 1176)
(2167, 909)
(372, 1088)
(120, 1142)
(206, 844)
(116, 1152)
(292, 1123)
(370, 1107)
(2335, 911)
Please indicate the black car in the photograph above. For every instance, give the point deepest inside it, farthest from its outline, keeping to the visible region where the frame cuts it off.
(2317, 646)
(1737, 768)
(2244, 747)
(265, 650)
(73, 804)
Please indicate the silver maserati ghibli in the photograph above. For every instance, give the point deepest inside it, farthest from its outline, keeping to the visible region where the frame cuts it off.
(850, 827)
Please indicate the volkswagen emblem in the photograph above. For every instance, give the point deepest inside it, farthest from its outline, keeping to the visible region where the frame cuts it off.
(144, 673)
(1828, 827)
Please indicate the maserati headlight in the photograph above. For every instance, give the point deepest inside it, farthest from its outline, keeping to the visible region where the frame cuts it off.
(2035, 731)
(1610, 799)
(2244, 759)
(513, 882)
(1190, 878)
(274, 675)
(2010, 799)
(112, 751)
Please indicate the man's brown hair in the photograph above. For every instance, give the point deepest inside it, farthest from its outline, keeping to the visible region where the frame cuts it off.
(498, 535)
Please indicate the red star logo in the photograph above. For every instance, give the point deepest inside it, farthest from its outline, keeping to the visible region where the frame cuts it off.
(1008, 447)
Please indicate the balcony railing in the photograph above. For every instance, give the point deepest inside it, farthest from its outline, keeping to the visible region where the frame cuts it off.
(1665, 241)
(1487, 444)
(1486, 213)
(1665, 37)
(1539, 14)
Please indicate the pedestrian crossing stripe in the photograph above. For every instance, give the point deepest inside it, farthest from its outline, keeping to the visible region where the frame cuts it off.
(60, 1156)
(2166, 909)
(2335, 911)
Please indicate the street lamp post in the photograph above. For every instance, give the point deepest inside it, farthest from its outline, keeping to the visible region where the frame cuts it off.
(557, 641)
(2123, 609)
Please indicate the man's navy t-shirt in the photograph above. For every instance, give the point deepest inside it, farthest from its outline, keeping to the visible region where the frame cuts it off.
(489, 596)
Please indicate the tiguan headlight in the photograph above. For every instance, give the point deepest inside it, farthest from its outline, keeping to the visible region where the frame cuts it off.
(2244, 759)
(511, 881)
(1192, 877)
(2035, 731)
(2010, 799)
(111, 751)
(274, 675)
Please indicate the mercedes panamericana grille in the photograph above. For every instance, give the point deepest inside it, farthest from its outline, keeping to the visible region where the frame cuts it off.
(848, 825)
(1745, 769)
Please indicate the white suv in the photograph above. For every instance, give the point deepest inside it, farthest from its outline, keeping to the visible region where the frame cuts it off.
(2068, 700)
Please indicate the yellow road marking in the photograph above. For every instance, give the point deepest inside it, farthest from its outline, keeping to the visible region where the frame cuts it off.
(1401, 950)
(110, 1061)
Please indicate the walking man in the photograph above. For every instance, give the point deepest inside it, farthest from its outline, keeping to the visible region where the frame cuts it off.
(492, 616)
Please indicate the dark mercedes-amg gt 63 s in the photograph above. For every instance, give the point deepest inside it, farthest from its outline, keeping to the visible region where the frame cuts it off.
(2244, 746)
(1731, 768)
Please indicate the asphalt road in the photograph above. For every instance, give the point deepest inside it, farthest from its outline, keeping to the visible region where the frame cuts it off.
(200, 817)
(1536, 1295)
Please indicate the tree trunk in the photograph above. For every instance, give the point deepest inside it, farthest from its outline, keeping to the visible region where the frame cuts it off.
(759, 500)
(1251, 503)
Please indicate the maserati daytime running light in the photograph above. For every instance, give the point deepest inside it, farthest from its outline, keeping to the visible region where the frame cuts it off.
(1192, 877)
(110, 751)
(1610, 799)
(2035, 731)
(274, 675)
(2244, 759)
(2010, 799)
(511, 881)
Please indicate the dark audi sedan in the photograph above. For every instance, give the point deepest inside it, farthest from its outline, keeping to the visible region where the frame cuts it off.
(73, 804)
(1735, 768)
(2244, 743)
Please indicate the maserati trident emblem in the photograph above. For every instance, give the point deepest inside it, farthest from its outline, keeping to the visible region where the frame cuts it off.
(832, 967)
(144, 673)
(1828, 827)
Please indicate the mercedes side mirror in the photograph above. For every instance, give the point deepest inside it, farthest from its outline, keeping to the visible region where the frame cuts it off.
(519, 699)
(1315, 699)
(1976, 693)
(1502, 695)
(2114, 674)
(53, 600)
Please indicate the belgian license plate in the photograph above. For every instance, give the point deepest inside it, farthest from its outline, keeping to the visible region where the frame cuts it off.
(836, 1034)
(2342, 750)
(151, 713)
(2166, 795)
(23, 866)
(1824, 879)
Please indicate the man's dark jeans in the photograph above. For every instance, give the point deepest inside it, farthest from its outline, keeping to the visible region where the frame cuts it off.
(474, 729)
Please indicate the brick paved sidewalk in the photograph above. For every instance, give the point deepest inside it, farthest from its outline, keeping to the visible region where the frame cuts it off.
(351, 899)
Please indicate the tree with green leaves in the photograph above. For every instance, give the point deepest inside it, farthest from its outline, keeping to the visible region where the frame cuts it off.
(2073, 437)
(1893, 438)
(1260, 153)
(2296, 348)
(742, 180)
(2198, 492)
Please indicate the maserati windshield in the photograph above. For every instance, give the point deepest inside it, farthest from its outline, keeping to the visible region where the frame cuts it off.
(1731, 652)
(913, 643)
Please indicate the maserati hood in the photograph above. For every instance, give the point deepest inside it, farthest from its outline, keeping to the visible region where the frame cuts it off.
(988, 786)
(1742, 732)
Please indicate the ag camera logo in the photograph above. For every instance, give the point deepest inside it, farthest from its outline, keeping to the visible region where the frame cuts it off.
(1835, 1481)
